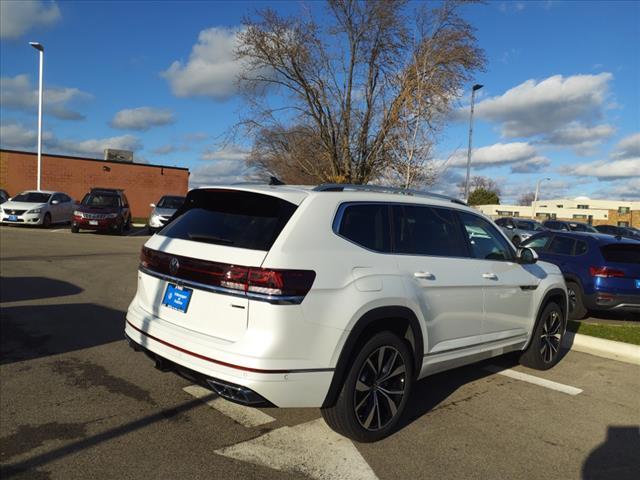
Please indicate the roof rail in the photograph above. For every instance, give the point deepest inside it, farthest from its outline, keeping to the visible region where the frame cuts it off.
(341, 187)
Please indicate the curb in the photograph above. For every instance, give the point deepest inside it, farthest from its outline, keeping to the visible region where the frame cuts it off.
(620, 351)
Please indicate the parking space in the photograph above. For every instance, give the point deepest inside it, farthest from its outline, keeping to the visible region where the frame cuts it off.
(76, 402)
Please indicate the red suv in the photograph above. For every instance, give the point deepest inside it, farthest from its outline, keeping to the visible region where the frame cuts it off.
(104, 209)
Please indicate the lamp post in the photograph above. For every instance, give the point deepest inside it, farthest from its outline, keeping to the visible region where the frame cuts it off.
(38, 46)
(473, 98)
(535, 198)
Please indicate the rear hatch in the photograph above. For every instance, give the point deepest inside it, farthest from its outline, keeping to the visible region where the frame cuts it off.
(621, 269)
(207, 252)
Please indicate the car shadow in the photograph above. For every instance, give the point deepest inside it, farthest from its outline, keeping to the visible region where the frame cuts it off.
(36, 331)
(16, 289)
(617, 457)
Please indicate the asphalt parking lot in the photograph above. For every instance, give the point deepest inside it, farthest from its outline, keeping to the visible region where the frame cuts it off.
(76, 402)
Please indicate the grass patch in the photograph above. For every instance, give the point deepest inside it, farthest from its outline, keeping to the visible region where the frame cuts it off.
(621, 333)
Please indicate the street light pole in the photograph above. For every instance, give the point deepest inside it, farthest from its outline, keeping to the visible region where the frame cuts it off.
(38, 46)
(535, 198)
(473, 98)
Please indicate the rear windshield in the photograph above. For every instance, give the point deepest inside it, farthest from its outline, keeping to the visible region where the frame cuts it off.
(171, 202)
(228, 217)
(32, 197)
(621, 253)
(101, 200)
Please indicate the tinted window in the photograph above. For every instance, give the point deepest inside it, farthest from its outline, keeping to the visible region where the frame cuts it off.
(171, 202)
(537, 243)
(621, 253)
(527, 225)
(32, 197)
(229, 217)
(427, 231)
(58, 197)
(367, 225)
(486, 242)
(561, 245)
(101, 200)
(501, 222)
(581, 247)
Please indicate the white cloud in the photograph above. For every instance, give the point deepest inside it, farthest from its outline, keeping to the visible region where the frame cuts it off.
(531, 165)
(534, 108)
(606, 169)
(628, 189)
(229, 152)
(628, 147)
(582, 139)
(17, 136)
(95, 147)
(521, 155)
(18, 17)
(141, 118)
(219, 172)
(212, 69)
(16, 93)
(169, 148)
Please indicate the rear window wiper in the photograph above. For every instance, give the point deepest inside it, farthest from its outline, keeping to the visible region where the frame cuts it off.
(203, 237)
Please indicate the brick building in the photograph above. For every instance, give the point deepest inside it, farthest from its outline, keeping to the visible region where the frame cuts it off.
(142, 183)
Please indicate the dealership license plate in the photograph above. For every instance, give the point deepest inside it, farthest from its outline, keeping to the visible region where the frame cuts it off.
(12, 218)
(93, 222)
(177, 297)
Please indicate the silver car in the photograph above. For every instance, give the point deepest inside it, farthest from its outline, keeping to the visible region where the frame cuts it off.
(163, 211)
(519, 229)
(37, 207)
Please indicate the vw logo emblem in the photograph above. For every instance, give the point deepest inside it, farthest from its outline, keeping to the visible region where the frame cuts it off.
(174, 266)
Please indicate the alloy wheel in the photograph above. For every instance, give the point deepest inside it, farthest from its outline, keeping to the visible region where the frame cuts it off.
(551, 336)
(380, 388)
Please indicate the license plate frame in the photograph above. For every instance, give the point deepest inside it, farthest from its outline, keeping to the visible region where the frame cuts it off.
(177, 297)
(93, 222)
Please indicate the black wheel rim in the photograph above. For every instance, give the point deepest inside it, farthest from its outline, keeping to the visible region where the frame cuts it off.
(551, 336)
(380, 388)
(572, 299)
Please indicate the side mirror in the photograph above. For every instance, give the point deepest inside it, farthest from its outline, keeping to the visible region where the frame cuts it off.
(55, 202)
(152, 205)
(526, 256)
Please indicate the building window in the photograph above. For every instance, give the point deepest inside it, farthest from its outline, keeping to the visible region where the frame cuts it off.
(623, 224)
(583, 207)
(624, 210)
(504, 213)
(559, 206)
(516, 214)
(543, 216)
(579, 217)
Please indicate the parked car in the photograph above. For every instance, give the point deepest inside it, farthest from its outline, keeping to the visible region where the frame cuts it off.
(519, 229)
(337, 297)
(37, 207)
(602, 272)
(562, 225)
(163, 211)
(619, 231)
(102, 209)
(4, 196)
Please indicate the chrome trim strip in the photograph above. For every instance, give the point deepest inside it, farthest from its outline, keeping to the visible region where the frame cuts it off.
(524, 337)
(273, 299)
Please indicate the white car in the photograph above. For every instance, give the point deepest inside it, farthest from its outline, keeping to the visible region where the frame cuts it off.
(338, 297)
(37, 207)
(163, 211)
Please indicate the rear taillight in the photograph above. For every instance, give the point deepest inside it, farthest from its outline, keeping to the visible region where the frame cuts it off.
(254, 281)
(605, 272)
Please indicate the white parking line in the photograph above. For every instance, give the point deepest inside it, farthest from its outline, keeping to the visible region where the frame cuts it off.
(247, 416)
(525, 377)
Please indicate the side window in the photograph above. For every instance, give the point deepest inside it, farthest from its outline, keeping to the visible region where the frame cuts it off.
(537, 243)
(581, 247)
(125, 202)
(58, 197)
(485, 241)
(501, 222)
(367, 225)
(426, 230)
(65, 198)
(561, 245)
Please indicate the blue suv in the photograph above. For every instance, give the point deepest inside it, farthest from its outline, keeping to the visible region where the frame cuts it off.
(602, 272)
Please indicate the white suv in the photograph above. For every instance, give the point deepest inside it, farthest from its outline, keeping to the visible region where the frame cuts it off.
(337, 297)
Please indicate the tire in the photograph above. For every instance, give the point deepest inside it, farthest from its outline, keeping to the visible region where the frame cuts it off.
(127, 226)
(577, 310)
(120, 229)
(543, 351)
(364, 409)
(75, 229)
(46, 221)
(150, 230)
(516, 241)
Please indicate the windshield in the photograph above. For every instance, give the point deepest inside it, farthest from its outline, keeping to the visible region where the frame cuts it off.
(527, 225)
(32, 197)
(173, 203)
(100, 200)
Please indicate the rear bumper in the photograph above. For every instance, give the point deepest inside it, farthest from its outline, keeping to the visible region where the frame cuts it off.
(611, 301)
(281, 387)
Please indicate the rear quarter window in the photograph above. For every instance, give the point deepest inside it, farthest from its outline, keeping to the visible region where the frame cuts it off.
(367, 225)
(232, 218)
(617, 253)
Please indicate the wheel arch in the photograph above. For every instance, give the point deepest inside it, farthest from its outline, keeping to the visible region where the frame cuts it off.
(560, 297)
(398, 319)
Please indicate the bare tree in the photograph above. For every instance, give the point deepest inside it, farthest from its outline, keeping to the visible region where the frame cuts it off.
(368, 87)
(478, 182)
(526, 199)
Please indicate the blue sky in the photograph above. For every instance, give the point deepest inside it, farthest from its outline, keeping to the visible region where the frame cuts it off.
(561, 96)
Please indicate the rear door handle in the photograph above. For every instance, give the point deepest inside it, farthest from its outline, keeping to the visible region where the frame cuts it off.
(424, 275)
(490, 276)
